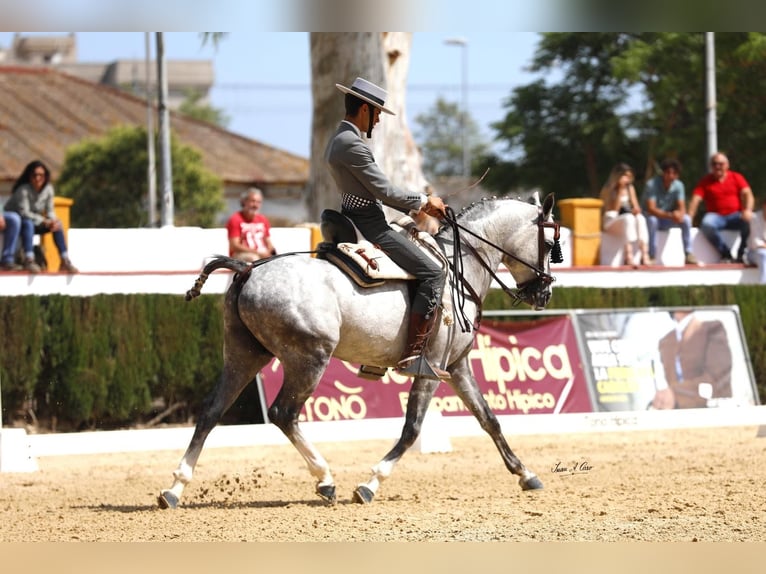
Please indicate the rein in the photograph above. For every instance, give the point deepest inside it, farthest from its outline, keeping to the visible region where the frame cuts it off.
(457, 265)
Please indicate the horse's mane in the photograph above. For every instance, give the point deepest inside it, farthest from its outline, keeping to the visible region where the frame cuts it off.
(478, 208)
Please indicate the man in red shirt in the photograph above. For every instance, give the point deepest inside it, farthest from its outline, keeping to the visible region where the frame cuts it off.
(249, 231)
(728, 205)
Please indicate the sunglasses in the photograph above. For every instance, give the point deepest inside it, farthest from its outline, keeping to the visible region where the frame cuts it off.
(717, 163)
(38, 174)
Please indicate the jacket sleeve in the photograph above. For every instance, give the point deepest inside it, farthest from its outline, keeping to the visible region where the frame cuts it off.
(361, 163)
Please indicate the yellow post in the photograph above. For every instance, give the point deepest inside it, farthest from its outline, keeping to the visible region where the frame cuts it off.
(61, 207)
(583, 216)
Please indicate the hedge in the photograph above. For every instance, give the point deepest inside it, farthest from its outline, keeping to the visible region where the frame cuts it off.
(111, 361)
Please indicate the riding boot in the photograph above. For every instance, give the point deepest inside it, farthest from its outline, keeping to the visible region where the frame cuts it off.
(413, 361)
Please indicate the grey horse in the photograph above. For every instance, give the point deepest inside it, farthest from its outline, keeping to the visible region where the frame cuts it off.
(304, 310)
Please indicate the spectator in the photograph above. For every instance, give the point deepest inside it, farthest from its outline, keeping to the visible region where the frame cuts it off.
(364, 189)
(696, 359)
(728, 205)
(664, 204)
(10, 225)
(32, 199)
(756, 249)
(249, 231)
(622, 215)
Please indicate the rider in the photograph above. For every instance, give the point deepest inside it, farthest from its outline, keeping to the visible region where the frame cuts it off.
(364, 187)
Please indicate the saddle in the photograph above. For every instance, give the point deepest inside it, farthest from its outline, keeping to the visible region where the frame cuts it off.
(365, 263)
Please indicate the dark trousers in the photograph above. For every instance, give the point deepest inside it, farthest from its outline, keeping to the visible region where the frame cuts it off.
(372, 224)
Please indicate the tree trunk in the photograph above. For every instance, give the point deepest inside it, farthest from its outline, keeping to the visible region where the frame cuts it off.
(382, 58)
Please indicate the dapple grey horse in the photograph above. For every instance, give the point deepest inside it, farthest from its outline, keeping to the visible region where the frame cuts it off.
(304, 310)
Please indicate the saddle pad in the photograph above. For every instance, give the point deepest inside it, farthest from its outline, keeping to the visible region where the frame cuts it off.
(372, 261)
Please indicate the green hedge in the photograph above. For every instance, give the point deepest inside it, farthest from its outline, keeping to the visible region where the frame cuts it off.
(109, 361)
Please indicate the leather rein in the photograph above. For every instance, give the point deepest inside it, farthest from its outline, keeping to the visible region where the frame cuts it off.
(456, 265)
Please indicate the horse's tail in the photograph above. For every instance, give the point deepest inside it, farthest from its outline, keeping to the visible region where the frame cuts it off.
(218, 262)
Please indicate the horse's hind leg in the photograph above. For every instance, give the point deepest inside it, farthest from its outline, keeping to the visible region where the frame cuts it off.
(467, 389)
(301, 377)
(417, 404)
(243, 359)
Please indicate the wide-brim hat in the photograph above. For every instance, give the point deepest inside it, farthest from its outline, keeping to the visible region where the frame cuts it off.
(368, 92)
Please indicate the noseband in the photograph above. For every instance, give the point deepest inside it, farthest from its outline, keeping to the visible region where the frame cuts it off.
(542, 277)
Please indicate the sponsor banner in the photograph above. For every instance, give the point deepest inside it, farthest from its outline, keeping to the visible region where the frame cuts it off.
(521, 368)
(666, 359)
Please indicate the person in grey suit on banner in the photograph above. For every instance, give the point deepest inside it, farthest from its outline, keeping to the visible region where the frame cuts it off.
(364, 188)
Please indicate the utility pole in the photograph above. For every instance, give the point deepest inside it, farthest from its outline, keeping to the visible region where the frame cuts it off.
(151, 169)
(166, 170)
(463, 44)
(710, 95)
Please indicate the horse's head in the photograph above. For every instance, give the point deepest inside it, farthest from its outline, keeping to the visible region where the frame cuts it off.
(528, 251)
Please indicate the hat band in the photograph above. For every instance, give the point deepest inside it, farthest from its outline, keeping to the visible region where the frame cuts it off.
(368, 95)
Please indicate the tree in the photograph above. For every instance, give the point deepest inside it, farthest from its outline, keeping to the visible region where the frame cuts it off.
(440, 139)
(107, 179)
(193, 107)
(567, 135)
(564, 136)
(382, 58)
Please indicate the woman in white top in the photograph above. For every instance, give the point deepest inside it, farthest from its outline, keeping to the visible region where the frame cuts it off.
(756, 243)
(622, 215)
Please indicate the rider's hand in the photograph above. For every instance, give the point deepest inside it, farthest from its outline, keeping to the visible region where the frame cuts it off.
(435, 207)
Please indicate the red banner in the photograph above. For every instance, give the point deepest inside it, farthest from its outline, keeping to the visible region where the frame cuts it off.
(521, 368)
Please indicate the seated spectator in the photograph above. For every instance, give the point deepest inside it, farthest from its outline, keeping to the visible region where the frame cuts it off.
(728, 205)
(622, 215)
(756, 248)
(664, 204)
(32, 199)
(249, 231)
(10, 225)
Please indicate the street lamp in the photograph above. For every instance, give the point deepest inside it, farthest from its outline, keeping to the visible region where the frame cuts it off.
(463, 43)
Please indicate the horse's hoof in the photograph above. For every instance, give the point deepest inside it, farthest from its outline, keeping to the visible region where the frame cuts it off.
(327, 493)
(363, 495)
(167, 499)
(532, 483)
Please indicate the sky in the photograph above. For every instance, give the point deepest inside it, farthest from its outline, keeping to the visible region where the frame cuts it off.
(262, 79)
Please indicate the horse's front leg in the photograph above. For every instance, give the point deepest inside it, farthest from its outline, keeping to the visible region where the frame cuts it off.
(467, 389)
(301, 377)
(417, 404)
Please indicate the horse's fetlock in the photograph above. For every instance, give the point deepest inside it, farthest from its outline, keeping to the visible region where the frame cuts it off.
(183, 473)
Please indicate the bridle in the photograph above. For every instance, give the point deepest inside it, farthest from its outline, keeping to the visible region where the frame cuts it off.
(542, 277)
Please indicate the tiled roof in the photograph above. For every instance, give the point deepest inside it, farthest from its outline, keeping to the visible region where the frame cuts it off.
(43, 111)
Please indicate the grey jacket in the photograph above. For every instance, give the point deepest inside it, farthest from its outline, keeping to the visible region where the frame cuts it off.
(32, 205)
(355, 172)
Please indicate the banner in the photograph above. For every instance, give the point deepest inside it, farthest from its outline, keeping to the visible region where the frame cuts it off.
(666, 359)
(521, 368)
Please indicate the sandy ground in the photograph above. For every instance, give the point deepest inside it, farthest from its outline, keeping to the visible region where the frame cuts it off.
(680, 485)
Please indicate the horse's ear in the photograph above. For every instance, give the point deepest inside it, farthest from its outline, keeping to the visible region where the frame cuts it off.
(534, 199)
(548, 203)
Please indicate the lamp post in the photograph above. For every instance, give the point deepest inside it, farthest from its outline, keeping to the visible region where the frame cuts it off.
(463, 43)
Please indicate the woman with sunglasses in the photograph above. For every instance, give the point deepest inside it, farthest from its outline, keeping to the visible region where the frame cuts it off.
(32, 199)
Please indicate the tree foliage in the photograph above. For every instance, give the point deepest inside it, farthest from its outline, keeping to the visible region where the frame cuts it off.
(440, 139)
(603, 98)
(107, 179)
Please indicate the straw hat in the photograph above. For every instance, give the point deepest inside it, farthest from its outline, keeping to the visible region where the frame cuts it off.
(368, 92)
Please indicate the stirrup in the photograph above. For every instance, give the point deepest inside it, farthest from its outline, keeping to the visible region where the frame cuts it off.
(370, 372)
(420, 367)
